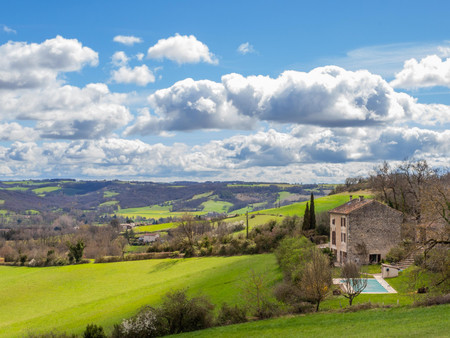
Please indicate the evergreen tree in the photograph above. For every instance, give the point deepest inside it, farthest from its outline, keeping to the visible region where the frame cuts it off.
(306, 218)
(312, 214)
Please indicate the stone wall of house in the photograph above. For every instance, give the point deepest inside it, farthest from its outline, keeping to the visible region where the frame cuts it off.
(375, 226)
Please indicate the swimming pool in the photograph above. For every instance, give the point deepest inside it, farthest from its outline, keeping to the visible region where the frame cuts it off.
(373, 286)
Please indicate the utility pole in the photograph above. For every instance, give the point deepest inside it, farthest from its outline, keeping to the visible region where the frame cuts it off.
(247, 223)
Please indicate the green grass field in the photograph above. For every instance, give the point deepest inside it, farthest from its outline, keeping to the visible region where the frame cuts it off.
(43, 190)
(154, 211)
(108, 194)
(394, 322)
(321, 204)
(108, 203)
(216, 206)
(70, 297)
(16, 188)
(155, 227)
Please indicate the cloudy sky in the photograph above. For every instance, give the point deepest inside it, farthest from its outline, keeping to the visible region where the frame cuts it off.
(278, 91)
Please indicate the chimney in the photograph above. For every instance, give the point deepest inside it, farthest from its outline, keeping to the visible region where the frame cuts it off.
(361, 197)
(351, 197)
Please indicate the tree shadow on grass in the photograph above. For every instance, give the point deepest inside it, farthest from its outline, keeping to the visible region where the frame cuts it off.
(167, 264)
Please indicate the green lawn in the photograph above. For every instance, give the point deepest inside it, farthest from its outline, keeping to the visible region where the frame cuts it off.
(70, 297)
(394, 322)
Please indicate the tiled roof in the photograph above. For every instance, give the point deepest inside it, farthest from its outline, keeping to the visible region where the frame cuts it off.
(350, 206)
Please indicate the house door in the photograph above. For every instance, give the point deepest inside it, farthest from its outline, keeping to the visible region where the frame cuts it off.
(374, 258)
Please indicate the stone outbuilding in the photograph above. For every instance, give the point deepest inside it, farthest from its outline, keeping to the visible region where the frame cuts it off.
(363, 230)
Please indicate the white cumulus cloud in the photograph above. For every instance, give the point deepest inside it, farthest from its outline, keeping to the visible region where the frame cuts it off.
(127, 40)
(24, 65)
(326, 96)
(139, 75)
(182, 49)
(430, 71)
(120, 59)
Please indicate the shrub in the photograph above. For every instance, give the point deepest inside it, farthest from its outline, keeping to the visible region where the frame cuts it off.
(108, 259)
(436, 300)
(418, 260)
(94, 331)
(291, 294)
(147, 323)
(231, 315)
(183, 314)
(396, 254)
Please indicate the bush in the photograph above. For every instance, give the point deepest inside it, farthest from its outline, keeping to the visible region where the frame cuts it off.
(418, 260)
(183, 314)
(147, 323)
(108, 259)
(396, 254)
(291, 294)
(94, 331)
(231, 315)
(437, 300)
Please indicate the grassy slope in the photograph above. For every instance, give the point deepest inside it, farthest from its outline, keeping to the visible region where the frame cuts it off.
(68, 298)
(43, 190)
(321, 204)
(394, 322)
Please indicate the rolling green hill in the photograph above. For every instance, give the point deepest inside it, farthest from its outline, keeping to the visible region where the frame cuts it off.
(394, 322)
(70, 297)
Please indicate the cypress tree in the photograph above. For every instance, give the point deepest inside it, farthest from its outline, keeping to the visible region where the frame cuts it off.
(306, 218)
(312, 214)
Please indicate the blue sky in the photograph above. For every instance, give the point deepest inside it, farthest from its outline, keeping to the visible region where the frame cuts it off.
(237, 90)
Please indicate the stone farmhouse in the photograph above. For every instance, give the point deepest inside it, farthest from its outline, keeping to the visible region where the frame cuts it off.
(363, 230)
(149, 238)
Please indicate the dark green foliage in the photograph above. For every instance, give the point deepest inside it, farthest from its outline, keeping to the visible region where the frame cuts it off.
(76, 251)
(312, 214)
(183, 314)
(231, 315)
(94, 331)
(292, 254)
(176, 314)
(306, 218)
(291, 294)
(396, 254)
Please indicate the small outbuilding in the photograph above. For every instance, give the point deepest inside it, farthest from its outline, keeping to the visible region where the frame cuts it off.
(389, 271)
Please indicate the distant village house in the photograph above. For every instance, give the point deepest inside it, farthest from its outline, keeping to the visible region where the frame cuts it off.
(148, 238)
(363, 230)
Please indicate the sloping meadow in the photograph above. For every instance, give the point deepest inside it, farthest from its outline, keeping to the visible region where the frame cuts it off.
(39, 300)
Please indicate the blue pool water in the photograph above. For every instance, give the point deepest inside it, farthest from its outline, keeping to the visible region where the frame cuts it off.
(374, 286)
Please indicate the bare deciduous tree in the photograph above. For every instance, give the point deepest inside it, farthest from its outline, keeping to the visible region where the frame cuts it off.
(353, 281)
